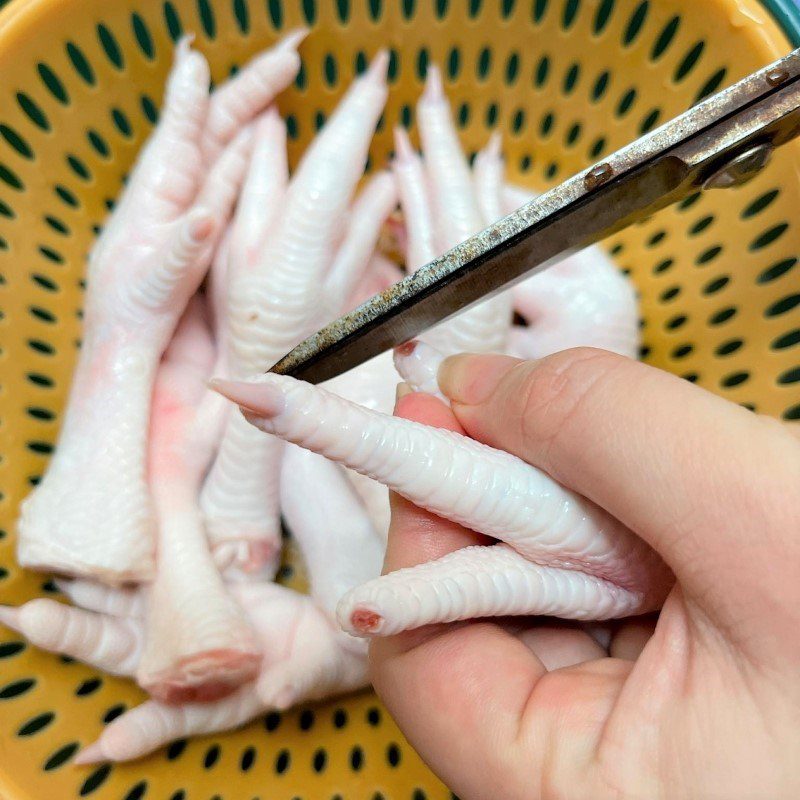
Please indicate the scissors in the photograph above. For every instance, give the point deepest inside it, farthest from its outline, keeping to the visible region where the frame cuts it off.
(721, 142)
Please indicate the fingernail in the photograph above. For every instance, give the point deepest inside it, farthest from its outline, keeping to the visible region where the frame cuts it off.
(260, 399)
(402, 390)
(471, 378)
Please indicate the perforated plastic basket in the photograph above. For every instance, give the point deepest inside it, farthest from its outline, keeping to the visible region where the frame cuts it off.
(566, 80)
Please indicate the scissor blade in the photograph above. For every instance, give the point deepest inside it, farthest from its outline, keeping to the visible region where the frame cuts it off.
(753, 116)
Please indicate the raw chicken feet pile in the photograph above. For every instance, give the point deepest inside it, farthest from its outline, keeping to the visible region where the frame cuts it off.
(162, 509)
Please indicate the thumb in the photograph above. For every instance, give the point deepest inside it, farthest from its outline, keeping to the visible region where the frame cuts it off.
(712, 487)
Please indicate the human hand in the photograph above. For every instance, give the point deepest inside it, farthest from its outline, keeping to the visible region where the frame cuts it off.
(706, 702)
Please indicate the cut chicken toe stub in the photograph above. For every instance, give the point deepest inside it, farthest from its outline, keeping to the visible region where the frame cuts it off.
(479, 582)
(418, 364)
(481, 488)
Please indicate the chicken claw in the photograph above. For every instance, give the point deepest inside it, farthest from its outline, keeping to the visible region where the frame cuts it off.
(484, 489)
(198, 644)
(91, 515)
(273, 303)
(442, 209)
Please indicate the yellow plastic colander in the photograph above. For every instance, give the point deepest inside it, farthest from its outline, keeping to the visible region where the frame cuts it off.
(566, 80)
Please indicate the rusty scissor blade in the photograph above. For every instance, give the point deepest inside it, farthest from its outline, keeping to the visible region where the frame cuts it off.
(723, 141)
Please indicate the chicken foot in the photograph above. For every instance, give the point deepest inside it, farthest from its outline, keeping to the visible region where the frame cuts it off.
(484, 489)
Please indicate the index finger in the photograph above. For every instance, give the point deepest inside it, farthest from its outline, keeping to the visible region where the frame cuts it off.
(437, 681)
(417, 535)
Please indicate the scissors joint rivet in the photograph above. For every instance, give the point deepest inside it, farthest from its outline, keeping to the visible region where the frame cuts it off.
(741, 168)
(777, 76)
(597, 175)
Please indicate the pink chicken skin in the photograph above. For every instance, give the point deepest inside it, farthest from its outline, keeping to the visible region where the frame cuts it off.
(92, 515)
(198, 644)
(275, 296)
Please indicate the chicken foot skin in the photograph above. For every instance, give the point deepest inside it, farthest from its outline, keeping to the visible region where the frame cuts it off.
(91, 515)
(108, 642)
(481, 488)
(198, 643)
(240, 495)
(442, 208)
(305, 654)
(582, 301)
(273, 300)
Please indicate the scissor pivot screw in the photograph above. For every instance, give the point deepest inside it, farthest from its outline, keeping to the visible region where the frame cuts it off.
(741, 168)
(597, 175)
(777, 76)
